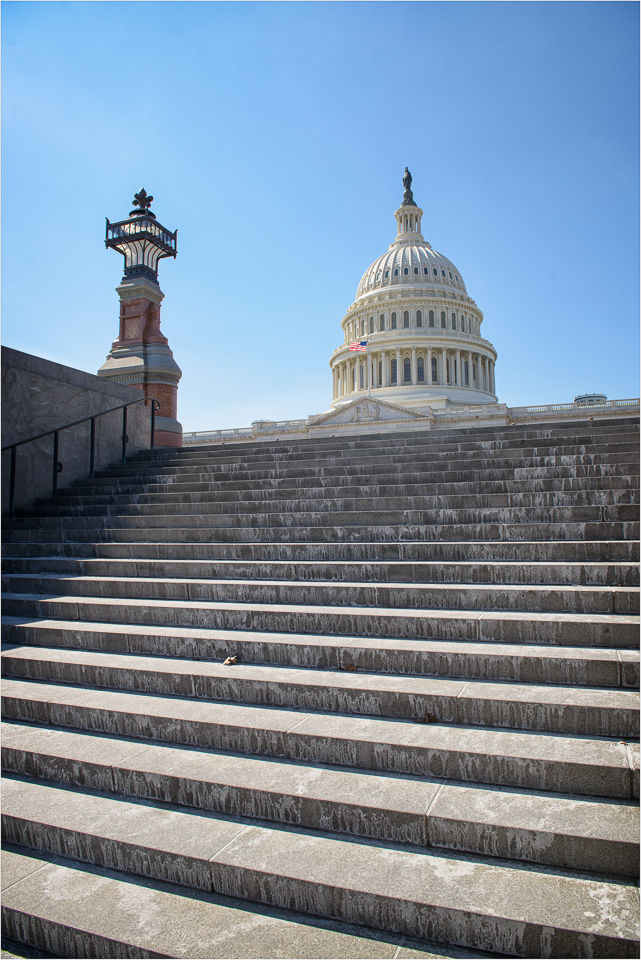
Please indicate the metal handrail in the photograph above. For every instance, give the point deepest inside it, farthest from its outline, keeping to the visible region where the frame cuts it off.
(57, 467)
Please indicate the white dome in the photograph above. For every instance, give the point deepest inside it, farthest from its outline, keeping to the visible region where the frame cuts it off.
(414, 263)
(417, 325)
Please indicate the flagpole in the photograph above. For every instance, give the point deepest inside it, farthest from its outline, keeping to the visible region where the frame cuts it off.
(369, 370)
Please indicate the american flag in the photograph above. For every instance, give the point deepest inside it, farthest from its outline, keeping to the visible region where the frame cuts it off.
(358, 345)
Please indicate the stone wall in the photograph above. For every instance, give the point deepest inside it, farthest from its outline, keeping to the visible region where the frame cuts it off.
(39, 395)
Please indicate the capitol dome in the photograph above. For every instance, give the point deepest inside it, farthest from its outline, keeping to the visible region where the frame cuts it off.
(413, 335)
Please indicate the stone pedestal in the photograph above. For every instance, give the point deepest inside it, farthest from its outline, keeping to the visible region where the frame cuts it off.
(141, 356)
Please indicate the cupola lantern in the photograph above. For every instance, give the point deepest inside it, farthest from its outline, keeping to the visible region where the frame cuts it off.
(141, 357)
(141, 239)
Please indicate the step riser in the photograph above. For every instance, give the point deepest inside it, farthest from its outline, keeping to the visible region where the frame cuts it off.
(437, 552)
(603, 600)
(384, 487)
(384, 572)
(322, 899)
(614, 857)
(559, 776)
(482, 628)
(577, 719)
(296, 505)
(604, 668)
(328, 516)
(128, 533)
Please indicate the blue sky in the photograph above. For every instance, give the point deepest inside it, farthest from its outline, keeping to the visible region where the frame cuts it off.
(274, 137)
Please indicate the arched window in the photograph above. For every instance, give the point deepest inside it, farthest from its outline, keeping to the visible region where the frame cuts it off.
(395, 271)
(386, 274)
(363, 327)
(443, 272)
(393, 321)
(463, 322)
(435, 271)
(407, 373)
(393, 371)
(447, 371)
(434, 370)
(380, 373)
(406, 271)
(453, 321)
(431, 318)
(381, 322)
(416, 271)
(426, 271)
(443, 320)
(466, 368)
(420, 370)
(473, 373)
(419, 318)
(361, 368)
(406, 318)
(371, 324)
(353, 378)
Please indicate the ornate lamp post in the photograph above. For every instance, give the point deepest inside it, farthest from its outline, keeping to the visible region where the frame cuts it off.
(141, 357)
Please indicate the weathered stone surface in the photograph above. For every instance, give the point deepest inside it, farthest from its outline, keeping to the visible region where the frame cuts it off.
(427, 731)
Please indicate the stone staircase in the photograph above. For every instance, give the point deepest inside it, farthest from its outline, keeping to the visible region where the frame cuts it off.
(425, 747)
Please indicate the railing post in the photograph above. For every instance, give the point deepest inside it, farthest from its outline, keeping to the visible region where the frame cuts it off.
(12, 483)
(92, 447)
(124, 434)
(153, 423)
(55, 464)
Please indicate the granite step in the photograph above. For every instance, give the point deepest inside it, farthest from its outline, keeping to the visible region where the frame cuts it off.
(559, 763)
(533, 911)
(209, 505)
(563, 831)
(128, 532)
(328, 516)
(544, 707)
(425, 551)
(78, 910)
(310, 488)
(497, 572)
(565, 629)
(519, 663)
(578, 599)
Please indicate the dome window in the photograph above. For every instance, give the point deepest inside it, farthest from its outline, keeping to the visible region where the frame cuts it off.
(386, 274)
(420, 373)
(426, 271)
(405, 271)
(457, 279)
(467, 373)
(453, 321)
(407, 373)
(463, 323)
(450, 273)
(443, 272)
(371, 324)
(393, 377)
(419, 318)
(363, 328)
(431, 318)
(381, 322)
(361, 369)
(395, 271)
(393, 321)
(435, 271)
(434, 370)
(406, 318)
(443, 320)
(416, 270)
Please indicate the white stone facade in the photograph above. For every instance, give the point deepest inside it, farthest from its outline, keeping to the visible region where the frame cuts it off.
(423, 331)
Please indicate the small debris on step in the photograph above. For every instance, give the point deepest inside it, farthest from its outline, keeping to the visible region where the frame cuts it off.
(230, 661)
